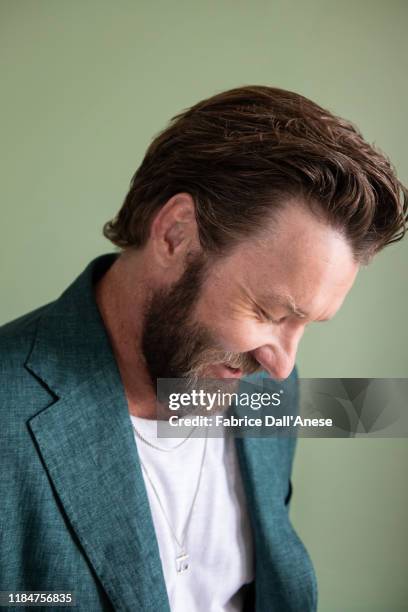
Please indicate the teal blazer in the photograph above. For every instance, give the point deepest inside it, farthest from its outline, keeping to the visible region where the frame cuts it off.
(74, 512)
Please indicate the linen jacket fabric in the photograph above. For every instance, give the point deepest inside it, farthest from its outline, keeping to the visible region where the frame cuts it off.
(74, 512)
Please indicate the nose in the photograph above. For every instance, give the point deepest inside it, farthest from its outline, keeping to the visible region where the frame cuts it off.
(276, 360)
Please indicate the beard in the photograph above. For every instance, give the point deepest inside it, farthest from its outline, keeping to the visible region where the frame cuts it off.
(176, 346)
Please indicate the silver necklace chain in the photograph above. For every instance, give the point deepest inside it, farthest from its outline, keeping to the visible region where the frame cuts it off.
(182, 558)
(161, 448)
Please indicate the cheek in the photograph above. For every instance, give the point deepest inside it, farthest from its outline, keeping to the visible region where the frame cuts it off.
(236, 329)
(238, 336)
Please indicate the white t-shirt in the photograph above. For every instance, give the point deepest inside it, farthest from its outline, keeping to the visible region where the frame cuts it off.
(218, 539)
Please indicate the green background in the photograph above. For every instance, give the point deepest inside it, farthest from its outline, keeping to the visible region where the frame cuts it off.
(87, 84)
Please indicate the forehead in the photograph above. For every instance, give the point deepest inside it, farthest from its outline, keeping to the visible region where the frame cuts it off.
(299, 259)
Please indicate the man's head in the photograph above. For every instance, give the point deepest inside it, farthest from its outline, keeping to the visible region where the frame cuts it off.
(252, 206)
(247, 309)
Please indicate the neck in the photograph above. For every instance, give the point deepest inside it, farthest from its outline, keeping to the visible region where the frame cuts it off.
(120, 295)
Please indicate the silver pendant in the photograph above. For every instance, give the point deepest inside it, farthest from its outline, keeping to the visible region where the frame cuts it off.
(182, 564)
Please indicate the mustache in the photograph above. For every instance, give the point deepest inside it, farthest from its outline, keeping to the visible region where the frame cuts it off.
(242, 361)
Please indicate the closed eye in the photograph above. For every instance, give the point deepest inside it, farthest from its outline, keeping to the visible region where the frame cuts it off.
(266, 318)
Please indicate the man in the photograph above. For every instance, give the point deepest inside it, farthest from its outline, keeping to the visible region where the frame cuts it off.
(247, 220)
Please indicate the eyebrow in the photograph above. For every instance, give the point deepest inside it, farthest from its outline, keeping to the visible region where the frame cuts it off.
(288, 303)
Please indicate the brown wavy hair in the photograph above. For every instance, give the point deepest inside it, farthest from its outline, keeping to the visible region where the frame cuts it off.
(243, 152)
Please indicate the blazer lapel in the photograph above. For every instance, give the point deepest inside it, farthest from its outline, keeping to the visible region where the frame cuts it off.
(284, 577)
(86, 442)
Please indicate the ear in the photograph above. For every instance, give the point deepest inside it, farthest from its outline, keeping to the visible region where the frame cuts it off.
(174, 230)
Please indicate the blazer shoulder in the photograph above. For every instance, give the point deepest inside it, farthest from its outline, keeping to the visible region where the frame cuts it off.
(21, 394)
(16, 336)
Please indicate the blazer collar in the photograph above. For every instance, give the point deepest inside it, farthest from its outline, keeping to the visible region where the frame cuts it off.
(71, 344)
(86, 442)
